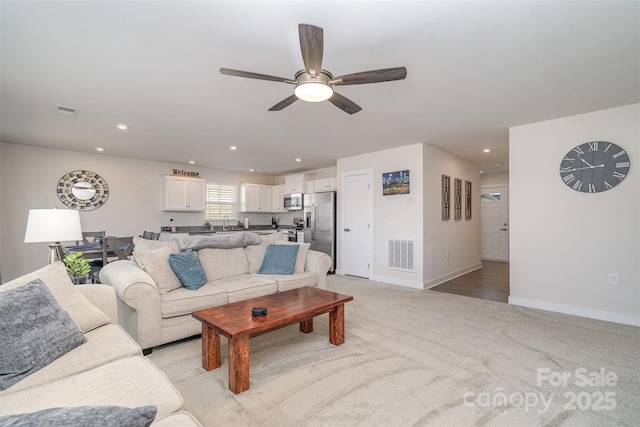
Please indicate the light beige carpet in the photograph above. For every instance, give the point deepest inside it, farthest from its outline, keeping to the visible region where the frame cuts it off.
(422, 358)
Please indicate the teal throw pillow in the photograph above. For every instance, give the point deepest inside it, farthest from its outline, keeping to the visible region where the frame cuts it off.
(187, 267)
(279, 259)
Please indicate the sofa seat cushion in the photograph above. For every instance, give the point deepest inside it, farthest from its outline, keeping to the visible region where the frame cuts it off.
(292, 281)
(222, 263)
(86, 315)
(178, 419)
(105, 344)
(246, 286)
(185, 301)
(132, 382)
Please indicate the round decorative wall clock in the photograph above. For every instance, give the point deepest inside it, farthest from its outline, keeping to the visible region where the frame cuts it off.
(594, 167)
(83, 190)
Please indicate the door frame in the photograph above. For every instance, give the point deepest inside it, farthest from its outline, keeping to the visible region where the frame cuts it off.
(490, 186)
(341, 218)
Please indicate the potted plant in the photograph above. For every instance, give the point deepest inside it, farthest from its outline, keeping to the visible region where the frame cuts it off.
(78, 268)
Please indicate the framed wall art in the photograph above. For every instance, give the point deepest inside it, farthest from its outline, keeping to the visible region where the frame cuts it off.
(83, 190)
(395, 183)
(458, 199)
(446, 197)
(467, 200)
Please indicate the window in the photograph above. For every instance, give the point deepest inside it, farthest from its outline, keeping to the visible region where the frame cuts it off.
(490, 197)
(220, 201)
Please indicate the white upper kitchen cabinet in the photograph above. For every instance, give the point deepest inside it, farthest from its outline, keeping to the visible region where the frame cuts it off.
(325, 184)
(277, 199)
(255, 198)
(296, 183)
(183, 194)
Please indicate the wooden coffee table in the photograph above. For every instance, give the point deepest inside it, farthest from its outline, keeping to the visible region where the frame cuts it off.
(234, 321)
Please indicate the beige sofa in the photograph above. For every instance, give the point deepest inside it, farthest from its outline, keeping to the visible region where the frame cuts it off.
(154, 309)
(106, 370)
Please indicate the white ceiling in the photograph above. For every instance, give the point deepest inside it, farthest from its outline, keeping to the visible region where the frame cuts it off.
(474, 69)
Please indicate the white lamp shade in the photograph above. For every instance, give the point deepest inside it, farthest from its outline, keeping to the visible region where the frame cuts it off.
(53, 225)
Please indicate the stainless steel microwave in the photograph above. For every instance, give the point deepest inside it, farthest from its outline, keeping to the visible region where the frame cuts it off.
(293, 202)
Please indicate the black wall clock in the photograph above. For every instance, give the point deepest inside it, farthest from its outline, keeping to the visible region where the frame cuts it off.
(594, 167)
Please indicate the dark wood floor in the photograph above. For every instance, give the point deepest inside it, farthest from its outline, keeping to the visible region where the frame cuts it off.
(491, 282)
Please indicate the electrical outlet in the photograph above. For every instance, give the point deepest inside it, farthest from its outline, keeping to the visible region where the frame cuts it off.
(614, 279)
(393, 226)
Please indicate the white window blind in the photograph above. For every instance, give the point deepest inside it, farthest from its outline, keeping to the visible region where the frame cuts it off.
(221, 201)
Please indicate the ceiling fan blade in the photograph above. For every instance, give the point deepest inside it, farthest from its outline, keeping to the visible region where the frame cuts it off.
(250, 75)
(311, 45)
(284, 103)
(344, 103)
(373, 76)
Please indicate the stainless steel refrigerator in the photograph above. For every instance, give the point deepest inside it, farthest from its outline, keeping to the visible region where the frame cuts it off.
(320, 223)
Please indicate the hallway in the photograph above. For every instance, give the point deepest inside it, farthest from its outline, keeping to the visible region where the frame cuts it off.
(491, 282)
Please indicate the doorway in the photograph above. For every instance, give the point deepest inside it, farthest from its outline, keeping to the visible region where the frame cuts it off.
(355, 231)
(494, 223)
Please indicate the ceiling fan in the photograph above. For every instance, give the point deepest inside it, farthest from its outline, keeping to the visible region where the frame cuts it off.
(313, 84)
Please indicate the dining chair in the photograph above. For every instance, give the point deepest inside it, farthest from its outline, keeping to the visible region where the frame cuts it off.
(120, 247)
(91, 237)
(96, 264)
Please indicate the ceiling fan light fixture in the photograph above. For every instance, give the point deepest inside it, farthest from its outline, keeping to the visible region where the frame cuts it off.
(313, 92)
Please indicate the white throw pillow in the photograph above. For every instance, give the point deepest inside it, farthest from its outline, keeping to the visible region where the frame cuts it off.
(156, 263)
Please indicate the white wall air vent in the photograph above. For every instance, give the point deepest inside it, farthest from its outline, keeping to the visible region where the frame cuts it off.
(66, 111)
(401, 255)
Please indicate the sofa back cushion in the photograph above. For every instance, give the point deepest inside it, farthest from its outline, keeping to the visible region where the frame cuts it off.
(86, 315)
(222, 263)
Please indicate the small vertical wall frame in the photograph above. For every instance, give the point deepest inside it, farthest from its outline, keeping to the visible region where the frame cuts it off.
(458, 199)
(446, 197)
(467, 200)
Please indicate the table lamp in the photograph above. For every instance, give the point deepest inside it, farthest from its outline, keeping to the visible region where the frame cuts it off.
(53, 226)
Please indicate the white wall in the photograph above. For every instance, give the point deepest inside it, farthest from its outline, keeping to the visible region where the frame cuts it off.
(498, 178)
(564, 244)
(29, 176)
(418, 215)
(452, 248)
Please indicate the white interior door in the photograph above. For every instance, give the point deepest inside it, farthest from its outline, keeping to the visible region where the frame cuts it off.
(356, 225)
(494, 223)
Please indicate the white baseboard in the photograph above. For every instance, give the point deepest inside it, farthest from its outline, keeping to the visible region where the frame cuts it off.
(394, 281)
(440, 280)
(625, 319)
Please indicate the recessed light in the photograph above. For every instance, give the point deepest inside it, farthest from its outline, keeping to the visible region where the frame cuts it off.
(299, 159)
(250, 170)
(498, 164)
(122, 126)
(100, 149)
(486, 150)
(233, 147)
(191, 162)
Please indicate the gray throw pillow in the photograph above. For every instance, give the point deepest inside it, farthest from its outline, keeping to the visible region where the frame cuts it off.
(279, 259)
(84, 416)
(35, 331)
(187, 267)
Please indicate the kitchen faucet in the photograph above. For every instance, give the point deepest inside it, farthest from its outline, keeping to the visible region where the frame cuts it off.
(224, 222)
